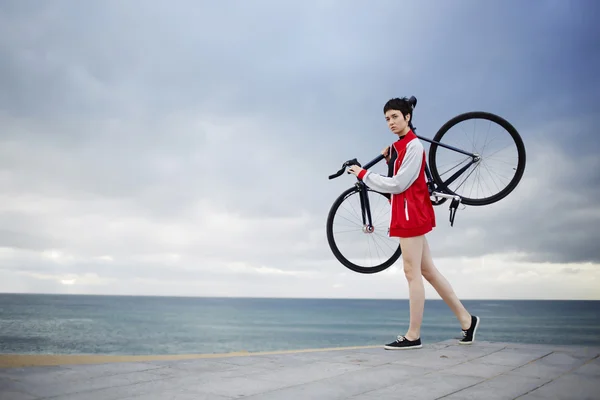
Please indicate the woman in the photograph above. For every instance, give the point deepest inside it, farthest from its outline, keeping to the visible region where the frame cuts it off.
(413, 217)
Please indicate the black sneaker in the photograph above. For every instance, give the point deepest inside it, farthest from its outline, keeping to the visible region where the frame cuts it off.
(469, 334)
(402, 343)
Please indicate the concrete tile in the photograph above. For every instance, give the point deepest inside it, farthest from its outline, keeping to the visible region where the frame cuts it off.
(183, 378)
(428, 387)
(476, 369)
(242, 360)
(539, 370)
(569, 387)
(454, 344)
(50, 375)
(198, 365)
(305, 373)
(280, 362)
(10, 389)
(468, 353)
(534, 396)
(64, 387)
(177, 394)
(536, 353)
(38, 371)
(549, 367)
(235, 386)
(7, 383)
(10, 395)
(565, 359)
(590, 368)
(314, 390)
(276, 360)
(227, 371)
(139, 389)
(113, 368)
(482, 344)
(348, 384)
(511, 358)
(503, 387)
(288, 360)
(366, 359)
(576, 351)
(393, 354)
(13, 386)
(313, 355)
(434, 360)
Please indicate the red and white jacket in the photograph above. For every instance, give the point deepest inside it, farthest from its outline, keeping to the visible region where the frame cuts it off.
(412, 212)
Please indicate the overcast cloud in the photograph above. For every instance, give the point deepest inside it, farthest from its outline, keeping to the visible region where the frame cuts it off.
(183, 148)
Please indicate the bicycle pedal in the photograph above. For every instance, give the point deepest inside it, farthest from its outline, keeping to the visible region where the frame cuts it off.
(452, 215)
(453, 207)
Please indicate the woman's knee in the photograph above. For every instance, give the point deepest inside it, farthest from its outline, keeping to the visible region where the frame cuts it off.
(412, 249)
(427, 274)
(428, 269)
(411, 271)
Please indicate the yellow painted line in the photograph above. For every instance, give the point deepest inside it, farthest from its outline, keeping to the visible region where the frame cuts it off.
(29, 360)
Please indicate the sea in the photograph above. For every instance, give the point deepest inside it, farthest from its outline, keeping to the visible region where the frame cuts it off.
(134, 325)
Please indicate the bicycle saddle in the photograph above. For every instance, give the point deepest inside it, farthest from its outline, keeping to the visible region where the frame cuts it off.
(413, 101)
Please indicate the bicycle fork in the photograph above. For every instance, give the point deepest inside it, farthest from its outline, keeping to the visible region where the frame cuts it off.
(365, 208)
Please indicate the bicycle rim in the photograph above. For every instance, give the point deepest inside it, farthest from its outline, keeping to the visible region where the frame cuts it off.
(361, 252)
(501, 150)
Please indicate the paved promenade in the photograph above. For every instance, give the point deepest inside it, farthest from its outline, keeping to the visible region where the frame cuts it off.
(442, 370)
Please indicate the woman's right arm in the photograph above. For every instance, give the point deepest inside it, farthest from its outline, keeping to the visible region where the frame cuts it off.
(407, 174)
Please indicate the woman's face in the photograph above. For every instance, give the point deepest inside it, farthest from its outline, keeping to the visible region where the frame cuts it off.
(396, 122)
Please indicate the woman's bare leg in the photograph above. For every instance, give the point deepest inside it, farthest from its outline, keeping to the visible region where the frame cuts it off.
(412, 251)
(443, 287)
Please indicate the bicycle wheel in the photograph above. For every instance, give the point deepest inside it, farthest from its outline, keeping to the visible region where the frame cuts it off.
(481, 183)
(356, 248)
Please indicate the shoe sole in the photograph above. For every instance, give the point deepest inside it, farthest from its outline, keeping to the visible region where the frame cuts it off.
(402, 348)
(474, 332)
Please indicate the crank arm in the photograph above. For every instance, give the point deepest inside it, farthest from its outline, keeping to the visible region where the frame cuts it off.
(446, 196)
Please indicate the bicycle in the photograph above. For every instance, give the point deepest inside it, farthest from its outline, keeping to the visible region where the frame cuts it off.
(440, 190)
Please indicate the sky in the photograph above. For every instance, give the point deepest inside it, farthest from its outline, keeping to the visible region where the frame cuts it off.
(183, 148)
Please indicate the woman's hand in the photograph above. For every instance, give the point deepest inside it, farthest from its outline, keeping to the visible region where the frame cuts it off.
(386, 153)
(354, 169)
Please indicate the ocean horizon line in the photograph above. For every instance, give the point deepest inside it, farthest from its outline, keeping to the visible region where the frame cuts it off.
(285, 297)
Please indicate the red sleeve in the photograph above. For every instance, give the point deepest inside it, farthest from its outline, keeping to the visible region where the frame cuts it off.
(361, 174)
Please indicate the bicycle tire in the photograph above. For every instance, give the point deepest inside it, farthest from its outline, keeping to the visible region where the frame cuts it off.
(336, 251)
(493, 118)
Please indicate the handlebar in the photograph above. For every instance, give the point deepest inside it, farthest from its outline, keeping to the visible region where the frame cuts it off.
(354, 161)
(344, 166)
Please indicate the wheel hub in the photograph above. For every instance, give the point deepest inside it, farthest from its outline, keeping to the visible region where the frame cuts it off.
(368, 229)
